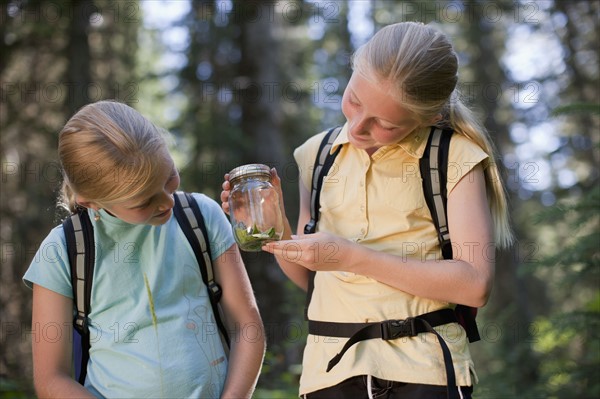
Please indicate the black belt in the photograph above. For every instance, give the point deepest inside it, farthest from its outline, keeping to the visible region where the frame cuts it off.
(390, 329)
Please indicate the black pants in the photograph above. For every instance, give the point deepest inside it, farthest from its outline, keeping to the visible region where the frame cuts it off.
(357, 388)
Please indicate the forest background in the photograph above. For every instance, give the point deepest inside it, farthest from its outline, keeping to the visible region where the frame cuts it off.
(248, 81)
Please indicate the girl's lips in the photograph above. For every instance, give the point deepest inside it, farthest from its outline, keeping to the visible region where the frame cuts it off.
(165, 213)
(360, 139)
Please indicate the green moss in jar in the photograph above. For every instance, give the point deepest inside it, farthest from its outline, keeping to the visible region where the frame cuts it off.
(252, 238)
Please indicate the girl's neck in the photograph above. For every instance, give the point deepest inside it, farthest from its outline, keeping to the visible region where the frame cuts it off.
(371, 151)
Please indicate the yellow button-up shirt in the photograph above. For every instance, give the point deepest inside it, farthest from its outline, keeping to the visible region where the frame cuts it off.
(378, 201)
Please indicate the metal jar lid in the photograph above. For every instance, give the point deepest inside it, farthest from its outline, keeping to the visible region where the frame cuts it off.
(249, 170)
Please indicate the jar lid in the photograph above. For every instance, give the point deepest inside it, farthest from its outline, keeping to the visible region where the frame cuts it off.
(249, 170)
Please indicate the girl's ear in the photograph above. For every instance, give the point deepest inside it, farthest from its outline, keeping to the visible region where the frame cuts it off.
(436, 119)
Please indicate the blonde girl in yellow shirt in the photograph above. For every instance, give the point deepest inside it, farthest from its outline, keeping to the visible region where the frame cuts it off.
(375, 251)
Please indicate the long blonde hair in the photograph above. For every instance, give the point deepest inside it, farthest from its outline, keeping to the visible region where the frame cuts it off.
(423, 66)
(108, 153)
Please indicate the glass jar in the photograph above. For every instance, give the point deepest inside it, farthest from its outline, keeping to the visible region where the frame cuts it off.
(254, 207)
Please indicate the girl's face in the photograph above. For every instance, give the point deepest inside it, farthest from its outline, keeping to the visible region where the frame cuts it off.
(375, 117)
(154, 205)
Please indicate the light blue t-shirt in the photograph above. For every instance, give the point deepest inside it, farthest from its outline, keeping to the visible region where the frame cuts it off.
(129, 357)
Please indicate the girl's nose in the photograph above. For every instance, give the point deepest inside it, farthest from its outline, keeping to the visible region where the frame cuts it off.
(359, 126)
(167, 202)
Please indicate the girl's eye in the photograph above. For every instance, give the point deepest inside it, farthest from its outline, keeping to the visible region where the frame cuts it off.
(142, 206)
(387, 128)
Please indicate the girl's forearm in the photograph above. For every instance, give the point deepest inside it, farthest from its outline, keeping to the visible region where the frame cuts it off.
(454, 281)
(60, 386)
(245, 361)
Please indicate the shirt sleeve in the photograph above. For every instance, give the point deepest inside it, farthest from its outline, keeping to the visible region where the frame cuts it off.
(50, 265)
(220, 235)
(463, 157)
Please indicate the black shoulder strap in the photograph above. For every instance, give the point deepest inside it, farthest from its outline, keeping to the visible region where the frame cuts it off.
(434, 167)
(79, 234)
(192, 224)
(434, 172)
(323, 162)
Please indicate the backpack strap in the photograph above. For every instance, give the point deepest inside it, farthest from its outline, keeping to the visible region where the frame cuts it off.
(434, 167)
(79, 235)
(190, 220)
(323, 163)
(434, 172)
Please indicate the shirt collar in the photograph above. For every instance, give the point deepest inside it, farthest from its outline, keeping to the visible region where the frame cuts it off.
(414, 143)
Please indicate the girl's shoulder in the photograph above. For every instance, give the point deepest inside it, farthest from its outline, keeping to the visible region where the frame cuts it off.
(311, 144)
(464, 149)
(305, 156)
(206, 203)
(50, 265)
(218, 227)
(56, 236)
(306, 153)
(461, 139)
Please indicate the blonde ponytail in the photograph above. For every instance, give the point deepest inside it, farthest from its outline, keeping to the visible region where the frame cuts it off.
(66, 199)
(463, 121)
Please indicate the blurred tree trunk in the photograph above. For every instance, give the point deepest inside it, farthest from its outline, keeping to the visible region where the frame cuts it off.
(31, 111)
(259, 82)
(580, 36)
(50, 68)
(210, 120)
(78, 53)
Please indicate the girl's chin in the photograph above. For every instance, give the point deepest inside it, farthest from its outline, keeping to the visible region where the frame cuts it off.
(360, 143)
(364, 145)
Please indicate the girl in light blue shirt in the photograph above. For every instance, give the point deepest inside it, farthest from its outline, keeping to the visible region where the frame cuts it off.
(117, 166)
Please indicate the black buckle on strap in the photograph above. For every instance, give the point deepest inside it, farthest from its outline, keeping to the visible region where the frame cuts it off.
(310, 227)
(392, 329)
(215, 289)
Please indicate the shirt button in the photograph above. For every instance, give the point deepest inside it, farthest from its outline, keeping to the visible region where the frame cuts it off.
(362, 208)
(362, 231)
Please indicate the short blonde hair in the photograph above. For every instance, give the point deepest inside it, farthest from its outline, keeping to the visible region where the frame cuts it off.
(109, 153)
(422, 65)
